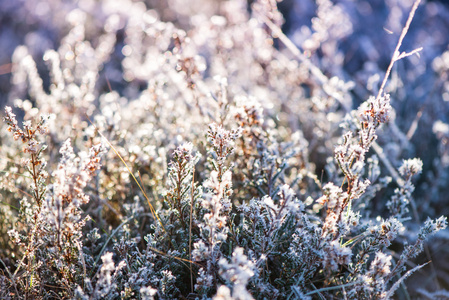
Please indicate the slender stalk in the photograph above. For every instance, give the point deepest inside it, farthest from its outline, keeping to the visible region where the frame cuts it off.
(396, 54)
(190, 230)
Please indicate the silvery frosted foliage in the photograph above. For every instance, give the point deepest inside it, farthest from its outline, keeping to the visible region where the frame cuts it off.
(63, 223)
(179, 217)
(216, 202)
(106, 287)
(350, 157)
(372, 284)
(371, 280)
(237, 273)
(57, 224)
(35, 163)
(400, 200)
(267, 228)
(181, 190)
(430, 227)
(64, 198)
(248, 159)
(305, 251)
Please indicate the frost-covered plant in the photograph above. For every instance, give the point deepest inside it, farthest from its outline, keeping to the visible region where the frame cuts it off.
(398, 205)
(52, 242)
(214, 227)
(244, 163)
(237, 273)
(35, 164)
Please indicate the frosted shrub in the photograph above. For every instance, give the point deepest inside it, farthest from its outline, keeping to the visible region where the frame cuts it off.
(192, 151)
(238, 272)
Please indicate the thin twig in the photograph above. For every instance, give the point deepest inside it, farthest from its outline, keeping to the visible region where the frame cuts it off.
(396, 54)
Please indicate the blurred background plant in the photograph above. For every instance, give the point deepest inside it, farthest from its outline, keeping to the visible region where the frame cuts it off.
(254, 131)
